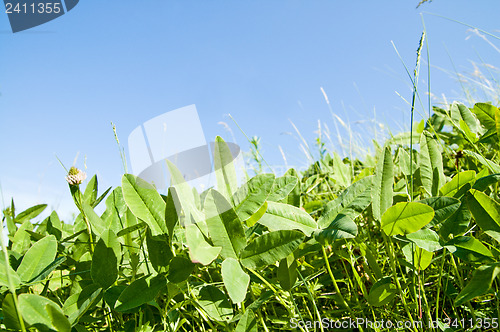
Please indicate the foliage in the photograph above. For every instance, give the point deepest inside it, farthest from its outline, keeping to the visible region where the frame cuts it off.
(345, 238)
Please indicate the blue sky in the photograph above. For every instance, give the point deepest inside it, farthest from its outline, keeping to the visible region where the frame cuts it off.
(263, 62)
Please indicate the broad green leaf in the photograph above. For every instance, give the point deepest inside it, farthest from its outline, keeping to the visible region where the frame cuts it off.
(486, 114)
(200, 250)
(57, 318)
(484, 182)
(404, 162)
(426, 239)
(270, 248)
(225, 172)
(383, 183)
(30, 213)
(287, 272)
(480, 284)
(457, 182)
(493, 167)
(115, 210)
(48, 270)
(7, 271)
(97, 224)
(343, 227)
(247, 322)
(171, 217)
(256, 216)
(182, 196)
(54, 225)
(457, 223)
(443, 208)
(469, 249)
(404, 138)
(461, 112)
(22, 240)
(105, 260)
(224, 225)
(421, 258)
(90, 193)
(406, 218)
(250, 197)
(235, 280)
(282, 187)
(351, 202)
(10, 316)
(294, 197)
(382, 292)
(38, 257)
(486, 212)
(145, 203)
(159, 252)
(180, 269)
(214, 302)
(35, 311)
(341, 172)
(77, 304)
(281, 216)
(430, 163)
(140, 291)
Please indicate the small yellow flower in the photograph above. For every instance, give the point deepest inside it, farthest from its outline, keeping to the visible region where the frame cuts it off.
(75, 176)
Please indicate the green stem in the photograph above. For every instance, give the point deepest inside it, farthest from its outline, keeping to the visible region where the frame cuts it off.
(336, 286)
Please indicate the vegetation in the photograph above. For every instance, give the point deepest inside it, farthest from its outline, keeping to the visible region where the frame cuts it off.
(409, 236)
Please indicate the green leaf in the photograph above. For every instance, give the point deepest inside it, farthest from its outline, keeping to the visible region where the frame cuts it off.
(497, 122)
(469, 249)
(105, 260)
(382, 292)
(7, 271)
(140, 291)
(30, 213)
(282, 187)
(484, 182)
(343, 227)
(224, 225)
(425, 239)
(250, 197)
(22, 240)
(159, 252)
(294, 197)
(383, 183)
(78, 304)
(48, 270)
(486, 114)
(493, 167)
(430, 163)
(90, 193)
(38, 257)
(10, 316)
(171, 217)
(200, 250)
(97, 224)
(215, 304)
(145, 203)
(486, 212)
(270, 248)
(281, 216)
(461, 112)
(351, 202)
(247, 322)
(235, 280)
(418, 257)
(443, 208)
(182, 196)
(180, 269)
(480, 284)
(225, 171)
(457, 182)
(406, 217)
(457, 223)
(35, 311)
(287, 272)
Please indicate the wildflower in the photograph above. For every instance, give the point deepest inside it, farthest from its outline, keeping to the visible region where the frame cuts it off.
(75, 176)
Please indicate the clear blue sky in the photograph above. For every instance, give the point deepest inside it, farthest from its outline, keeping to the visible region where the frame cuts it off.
(264, 62)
